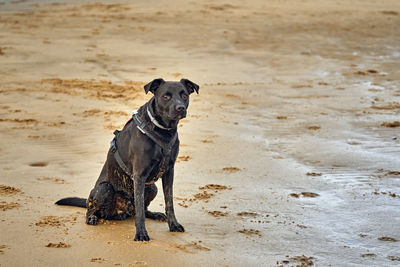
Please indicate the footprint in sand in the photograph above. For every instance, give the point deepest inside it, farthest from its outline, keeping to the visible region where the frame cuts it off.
(230, 169)
(313, 174)
(176, 74)
(390, 173)
(323, 83)
(183, 158)
(2, 247)
(313, 127)
(216, 187)
(203, 195)
(55, 124)
(217, 213)
(58, 245)
(9, 190)
(56, 221)
(299, 260)
(390, 12)
(189, 247)
(304, 194)
(309, 194)
(368, 255)
(299, 86)
(8, 205)
(52, 179)
(39, 164)
(247, 214)
(391, 124)
(98, 260)
(390, 106)
(394, 258)
(364, 73)
(250, 232)
(25, 121)
(388, 239)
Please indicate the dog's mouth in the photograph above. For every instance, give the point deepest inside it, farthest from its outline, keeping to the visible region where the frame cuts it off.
(178, 116)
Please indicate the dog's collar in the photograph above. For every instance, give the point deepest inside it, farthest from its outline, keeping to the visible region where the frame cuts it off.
(155, 122)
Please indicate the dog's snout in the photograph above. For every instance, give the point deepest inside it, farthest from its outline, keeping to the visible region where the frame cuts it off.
(180, 108)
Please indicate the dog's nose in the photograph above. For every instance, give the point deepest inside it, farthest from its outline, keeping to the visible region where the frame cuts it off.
(180, 108)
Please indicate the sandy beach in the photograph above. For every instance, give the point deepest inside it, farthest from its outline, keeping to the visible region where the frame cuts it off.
(289, 156)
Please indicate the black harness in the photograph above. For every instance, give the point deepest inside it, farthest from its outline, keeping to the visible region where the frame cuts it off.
(143, 125)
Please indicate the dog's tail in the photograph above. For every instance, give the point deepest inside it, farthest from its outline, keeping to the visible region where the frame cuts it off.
(72, 201)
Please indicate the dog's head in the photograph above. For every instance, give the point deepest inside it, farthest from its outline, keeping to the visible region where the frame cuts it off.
(171, 98)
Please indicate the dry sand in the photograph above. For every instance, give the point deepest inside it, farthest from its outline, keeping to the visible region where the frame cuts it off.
(290, 154)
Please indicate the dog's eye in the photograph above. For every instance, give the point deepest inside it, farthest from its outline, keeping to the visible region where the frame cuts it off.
(167, 97)
(184, 96)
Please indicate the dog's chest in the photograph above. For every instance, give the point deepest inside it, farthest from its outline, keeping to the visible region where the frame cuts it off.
(124, 182)
(159, 169)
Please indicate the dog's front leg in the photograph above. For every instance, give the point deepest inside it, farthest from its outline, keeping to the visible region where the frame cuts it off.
(167, 183)
(141, 233)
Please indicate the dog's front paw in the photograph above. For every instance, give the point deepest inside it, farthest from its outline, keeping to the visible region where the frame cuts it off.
(141, 235)
(176, 227)
(92, 220)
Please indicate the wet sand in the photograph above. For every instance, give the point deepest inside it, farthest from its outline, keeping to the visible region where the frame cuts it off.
(289, 155)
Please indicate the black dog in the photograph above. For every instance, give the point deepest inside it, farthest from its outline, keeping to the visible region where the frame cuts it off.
(142, 152)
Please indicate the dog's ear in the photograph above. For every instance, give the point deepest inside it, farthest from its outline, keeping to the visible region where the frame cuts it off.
(153, 86)
(190, 86)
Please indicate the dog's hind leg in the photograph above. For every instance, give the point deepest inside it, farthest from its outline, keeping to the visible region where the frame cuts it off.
(150, 192)
(100, 204)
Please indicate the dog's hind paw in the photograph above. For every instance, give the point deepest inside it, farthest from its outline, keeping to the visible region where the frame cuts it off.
(158, 216)
(92, 220)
